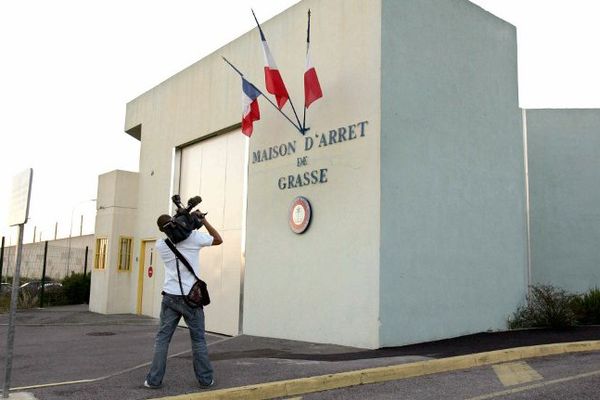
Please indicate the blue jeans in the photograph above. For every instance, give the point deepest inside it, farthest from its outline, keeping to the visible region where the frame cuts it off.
(171, 310)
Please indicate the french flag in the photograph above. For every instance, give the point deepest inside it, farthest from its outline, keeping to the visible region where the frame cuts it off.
(312, 88)
(250, 112)
(273, 80)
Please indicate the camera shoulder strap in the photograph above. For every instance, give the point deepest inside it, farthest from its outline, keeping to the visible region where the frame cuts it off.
(179, 277)
(182, 258)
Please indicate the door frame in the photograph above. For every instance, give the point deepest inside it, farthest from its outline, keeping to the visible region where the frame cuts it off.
(141, 270)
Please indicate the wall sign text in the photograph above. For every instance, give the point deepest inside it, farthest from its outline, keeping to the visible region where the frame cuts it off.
(314, 176)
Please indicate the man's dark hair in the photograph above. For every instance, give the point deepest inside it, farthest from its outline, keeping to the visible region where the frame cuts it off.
(162, 220)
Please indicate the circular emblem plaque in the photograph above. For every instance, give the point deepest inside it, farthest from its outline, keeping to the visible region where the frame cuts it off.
(300, 214)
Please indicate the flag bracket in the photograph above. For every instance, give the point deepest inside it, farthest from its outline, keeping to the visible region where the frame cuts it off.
(298, 127)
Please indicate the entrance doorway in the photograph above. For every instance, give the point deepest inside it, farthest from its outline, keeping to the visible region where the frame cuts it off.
(147, 278)
(216, 169)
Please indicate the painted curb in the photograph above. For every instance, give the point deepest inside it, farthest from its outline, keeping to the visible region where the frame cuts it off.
(21, 396)
(294, 387)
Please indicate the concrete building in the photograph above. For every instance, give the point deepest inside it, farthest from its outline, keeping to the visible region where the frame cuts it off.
(414, 166)
(114, 282)
(564, 149)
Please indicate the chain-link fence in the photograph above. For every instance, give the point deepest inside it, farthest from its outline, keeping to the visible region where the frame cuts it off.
(59, 261)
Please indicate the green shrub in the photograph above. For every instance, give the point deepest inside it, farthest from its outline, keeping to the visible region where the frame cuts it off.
(587, 307)
(547, 307)
(54, 297)
(76, 288)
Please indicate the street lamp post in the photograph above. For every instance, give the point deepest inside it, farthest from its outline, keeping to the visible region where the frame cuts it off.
(71, 233)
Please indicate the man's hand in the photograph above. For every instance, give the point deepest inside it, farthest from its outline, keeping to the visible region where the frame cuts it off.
(199, 214)
(217, 240)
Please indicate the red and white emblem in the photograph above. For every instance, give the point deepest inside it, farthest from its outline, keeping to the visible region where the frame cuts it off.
(150, 271)
(300, 214)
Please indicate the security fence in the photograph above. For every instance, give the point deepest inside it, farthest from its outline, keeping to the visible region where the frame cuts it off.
(57, 259)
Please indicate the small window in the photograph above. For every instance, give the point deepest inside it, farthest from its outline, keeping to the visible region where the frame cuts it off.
(125, 244)
(101, 251)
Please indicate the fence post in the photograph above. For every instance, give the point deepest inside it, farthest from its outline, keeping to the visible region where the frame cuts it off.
(1, 258)
(44, 274)
(85, 262)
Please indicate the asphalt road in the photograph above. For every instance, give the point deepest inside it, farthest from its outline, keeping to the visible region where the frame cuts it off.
(68, 353)
(564, 377)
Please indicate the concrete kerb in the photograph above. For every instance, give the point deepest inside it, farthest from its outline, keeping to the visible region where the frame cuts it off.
(294, 387)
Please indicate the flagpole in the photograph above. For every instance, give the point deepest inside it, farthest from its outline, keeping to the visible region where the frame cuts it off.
(298, 119)
(304, 122)
(289, 97)
(263, 95)
(307, 49)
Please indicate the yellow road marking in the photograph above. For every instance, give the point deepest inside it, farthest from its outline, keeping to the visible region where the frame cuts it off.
(535, 386)
(515, 373)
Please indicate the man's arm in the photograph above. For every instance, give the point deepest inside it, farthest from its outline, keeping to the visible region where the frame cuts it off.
(217, 240)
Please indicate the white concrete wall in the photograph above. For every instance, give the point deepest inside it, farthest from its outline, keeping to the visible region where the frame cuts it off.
(322, 285)
(453, 234)
(564, 160)
(59, 260)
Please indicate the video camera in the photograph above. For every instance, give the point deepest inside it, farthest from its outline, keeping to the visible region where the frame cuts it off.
(184, 221)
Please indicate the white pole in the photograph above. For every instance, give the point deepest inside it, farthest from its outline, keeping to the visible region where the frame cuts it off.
(11, 319)
(527, 209)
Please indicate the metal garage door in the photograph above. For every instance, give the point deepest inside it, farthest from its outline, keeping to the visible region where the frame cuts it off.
(215, 169)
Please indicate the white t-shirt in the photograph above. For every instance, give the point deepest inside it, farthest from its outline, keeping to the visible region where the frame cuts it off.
(190, 249)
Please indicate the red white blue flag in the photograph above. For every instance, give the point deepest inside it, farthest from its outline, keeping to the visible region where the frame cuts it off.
(312, 88)
(250, 112)
(273, 80)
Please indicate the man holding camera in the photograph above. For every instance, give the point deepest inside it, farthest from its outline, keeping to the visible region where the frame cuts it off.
(177, 284)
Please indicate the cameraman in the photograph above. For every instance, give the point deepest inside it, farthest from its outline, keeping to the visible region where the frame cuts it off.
(173, 305)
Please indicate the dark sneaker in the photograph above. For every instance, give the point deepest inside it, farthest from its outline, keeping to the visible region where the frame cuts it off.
(149, 386)
(207, 385)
